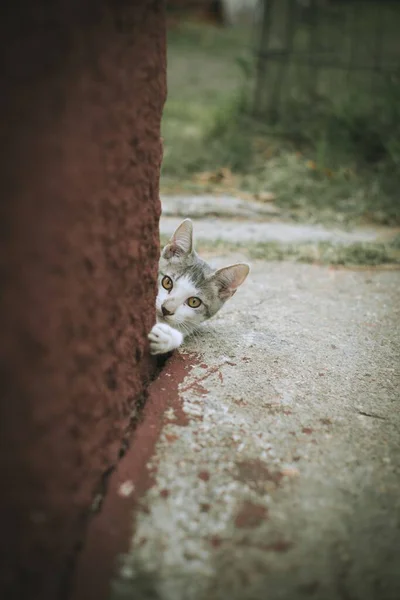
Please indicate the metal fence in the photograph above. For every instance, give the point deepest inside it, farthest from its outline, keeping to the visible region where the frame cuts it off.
(319, 51)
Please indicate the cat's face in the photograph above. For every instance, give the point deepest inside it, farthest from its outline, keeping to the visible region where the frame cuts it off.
(189, 290)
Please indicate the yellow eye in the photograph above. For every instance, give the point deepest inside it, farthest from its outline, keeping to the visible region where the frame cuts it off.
(166, 282)
(194, 302)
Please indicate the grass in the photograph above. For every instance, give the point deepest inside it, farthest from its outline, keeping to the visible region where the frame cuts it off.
(203, 76)
(321, 174)
(367, 254)
(324, 253)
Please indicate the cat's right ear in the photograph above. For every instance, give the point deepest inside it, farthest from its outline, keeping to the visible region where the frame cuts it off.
(181, 243)
(228, 279)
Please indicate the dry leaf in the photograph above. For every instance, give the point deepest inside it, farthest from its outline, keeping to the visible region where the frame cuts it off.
(265, 196)
(290, 472)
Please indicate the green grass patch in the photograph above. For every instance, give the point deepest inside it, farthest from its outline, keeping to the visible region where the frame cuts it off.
(360, 254)
(339, 165)
(324, 253)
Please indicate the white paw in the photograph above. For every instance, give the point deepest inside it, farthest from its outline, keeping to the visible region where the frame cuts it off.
(164, 338)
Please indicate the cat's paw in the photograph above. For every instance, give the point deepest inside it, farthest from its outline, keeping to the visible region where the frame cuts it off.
(164, 338)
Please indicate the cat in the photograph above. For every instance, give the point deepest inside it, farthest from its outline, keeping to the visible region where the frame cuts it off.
(190, 291)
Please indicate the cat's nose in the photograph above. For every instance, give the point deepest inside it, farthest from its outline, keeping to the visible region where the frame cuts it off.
(166, 312)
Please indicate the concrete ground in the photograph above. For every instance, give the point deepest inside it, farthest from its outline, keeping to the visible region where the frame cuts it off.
(230, 219)
(277, 474)
(267, 463)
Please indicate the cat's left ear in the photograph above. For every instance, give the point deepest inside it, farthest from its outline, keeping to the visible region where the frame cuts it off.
(181, 242)
(228, 279)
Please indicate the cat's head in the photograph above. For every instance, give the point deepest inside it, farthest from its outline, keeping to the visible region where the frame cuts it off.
(189, 290)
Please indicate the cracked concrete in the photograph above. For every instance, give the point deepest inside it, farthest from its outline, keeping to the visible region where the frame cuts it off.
(276, 471)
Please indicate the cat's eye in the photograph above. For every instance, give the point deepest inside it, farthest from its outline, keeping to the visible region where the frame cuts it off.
(166, 282)
(194, 302)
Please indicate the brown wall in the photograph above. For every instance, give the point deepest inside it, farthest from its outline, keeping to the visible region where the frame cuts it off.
(82, 90)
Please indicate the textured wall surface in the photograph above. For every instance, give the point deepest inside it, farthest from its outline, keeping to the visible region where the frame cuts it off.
(82, 91)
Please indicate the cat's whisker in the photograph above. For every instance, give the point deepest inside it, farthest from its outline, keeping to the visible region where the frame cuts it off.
(186, 328)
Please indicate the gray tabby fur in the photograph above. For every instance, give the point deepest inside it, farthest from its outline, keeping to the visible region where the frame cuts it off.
(191, 277)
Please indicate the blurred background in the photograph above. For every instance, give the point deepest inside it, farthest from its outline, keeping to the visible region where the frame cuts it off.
(295, 103)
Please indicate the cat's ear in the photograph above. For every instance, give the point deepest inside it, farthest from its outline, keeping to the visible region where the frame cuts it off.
(181, 243)
(228, 279)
